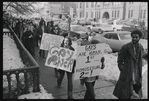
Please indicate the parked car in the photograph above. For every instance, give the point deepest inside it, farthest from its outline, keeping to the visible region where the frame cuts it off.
(84, 22)
(77, 31)
(117, 39)
(116, 25)
(100, 28)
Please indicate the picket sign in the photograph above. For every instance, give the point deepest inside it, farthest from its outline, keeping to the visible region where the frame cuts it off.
(88, 62)
(49, 39)
(63, 26)
(60, 58)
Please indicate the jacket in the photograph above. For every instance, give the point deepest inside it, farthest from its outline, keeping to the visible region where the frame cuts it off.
(126, 61)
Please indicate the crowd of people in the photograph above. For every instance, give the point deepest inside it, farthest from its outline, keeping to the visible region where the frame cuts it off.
(129, 57)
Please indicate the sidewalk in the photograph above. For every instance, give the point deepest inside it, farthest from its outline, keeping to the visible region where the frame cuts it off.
(103, 89)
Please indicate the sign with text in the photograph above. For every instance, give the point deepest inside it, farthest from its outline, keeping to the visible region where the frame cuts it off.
(88, 60)
(61, 58)
(49, 39)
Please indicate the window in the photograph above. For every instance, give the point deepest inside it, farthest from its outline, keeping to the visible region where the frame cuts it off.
(113, 36)
(117, 13)
(106, 36)
(92, 14)
(99, 15)
(112, 14)
(80, 5)
(86, 14)
(131, 13)
(86, 4)
(92, 4)
(144, 14)
(130, 2)
(141, 14)
(80, 14)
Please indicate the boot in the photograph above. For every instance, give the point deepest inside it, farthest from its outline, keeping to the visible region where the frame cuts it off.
(70, 95)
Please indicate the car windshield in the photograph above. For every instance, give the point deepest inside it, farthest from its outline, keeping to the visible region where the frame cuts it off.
(78, 28)
(125, 36)
(102, 25)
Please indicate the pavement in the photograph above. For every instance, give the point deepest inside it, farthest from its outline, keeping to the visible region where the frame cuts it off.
(103, 89)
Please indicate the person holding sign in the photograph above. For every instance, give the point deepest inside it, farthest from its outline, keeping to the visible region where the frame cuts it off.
(67, 44)
(90, 81)
(50, 27)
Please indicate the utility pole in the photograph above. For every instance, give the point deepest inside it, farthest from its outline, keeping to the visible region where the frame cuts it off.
(69, 23)
(139, 12)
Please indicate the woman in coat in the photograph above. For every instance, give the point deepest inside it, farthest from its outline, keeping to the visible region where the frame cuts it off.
(41, 29)
(130, 66)
(67, 44)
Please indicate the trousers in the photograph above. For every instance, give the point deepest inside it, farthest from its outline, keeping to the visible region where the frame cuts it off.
(70, 82)
(89, 90)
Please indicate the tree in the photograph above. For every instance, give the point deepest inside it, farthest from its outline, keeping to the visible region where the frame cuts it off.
(19, 7)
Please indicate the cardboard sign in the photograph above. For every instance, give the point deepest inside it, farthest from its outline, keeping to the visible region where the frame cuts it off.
(63, 26)
(61, 58)
(49, 39)
(88, 60)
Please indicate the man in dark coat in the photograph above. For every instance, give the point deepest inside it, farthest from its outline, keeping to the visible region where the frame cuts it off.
(27, 40)
(130, 66)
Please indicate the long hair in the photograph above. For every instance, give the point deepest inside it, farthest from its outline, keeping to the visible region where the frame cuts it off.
(69, 41)
(41, 22)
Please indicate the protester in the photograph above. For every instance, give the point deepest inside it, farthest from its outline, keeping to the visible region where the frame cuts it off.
(130, 66)
(27, 40)
(67, 44)
(90, 81)
(90, 34)
(56, 30)
(41, 29)
(50, 27)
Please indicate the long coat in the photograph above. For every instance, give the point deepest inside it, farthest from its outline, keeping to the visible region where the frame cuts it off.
(127, 60)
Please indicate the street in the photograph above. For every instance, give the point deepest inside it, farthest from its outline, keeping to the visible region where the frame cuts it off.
(103, 89)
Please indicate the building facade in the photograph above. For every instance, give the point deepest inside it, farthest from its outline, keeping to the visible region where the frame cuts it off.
(112, 10)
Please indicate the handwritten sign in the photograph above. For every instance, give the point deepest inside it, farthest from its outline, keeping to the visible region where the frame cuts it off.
(49, 39)
(88, 60)
(63, 26)
(60, 58)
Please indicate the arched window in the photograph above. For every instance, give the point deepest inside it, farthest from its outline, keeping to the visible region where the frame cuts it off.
(130, 13)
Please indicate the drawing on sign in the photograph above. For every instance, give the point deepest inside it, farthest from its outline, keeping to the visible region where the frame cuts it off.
(49, 39)
(63, 26)
(61, 58)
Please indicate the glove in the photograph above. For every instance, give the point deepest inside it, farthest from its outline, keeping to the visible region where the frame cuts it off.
(102, 59)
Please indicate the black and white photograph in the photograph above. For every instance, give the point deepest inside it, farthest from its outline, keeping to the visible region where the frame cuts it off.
(75, 50)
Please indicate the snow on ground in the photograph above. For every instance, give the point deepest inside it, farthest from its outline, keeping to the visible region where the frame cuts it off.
(111, 72)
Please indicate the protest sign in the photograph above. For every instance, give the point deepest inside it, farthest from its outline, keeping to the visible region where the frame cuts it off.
(61, 58)
(88, 60)
(63, 26)
(49, 39)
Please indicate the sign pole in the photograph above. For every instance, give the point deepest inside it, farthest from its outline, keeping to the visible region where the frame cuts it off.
(69, 23)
